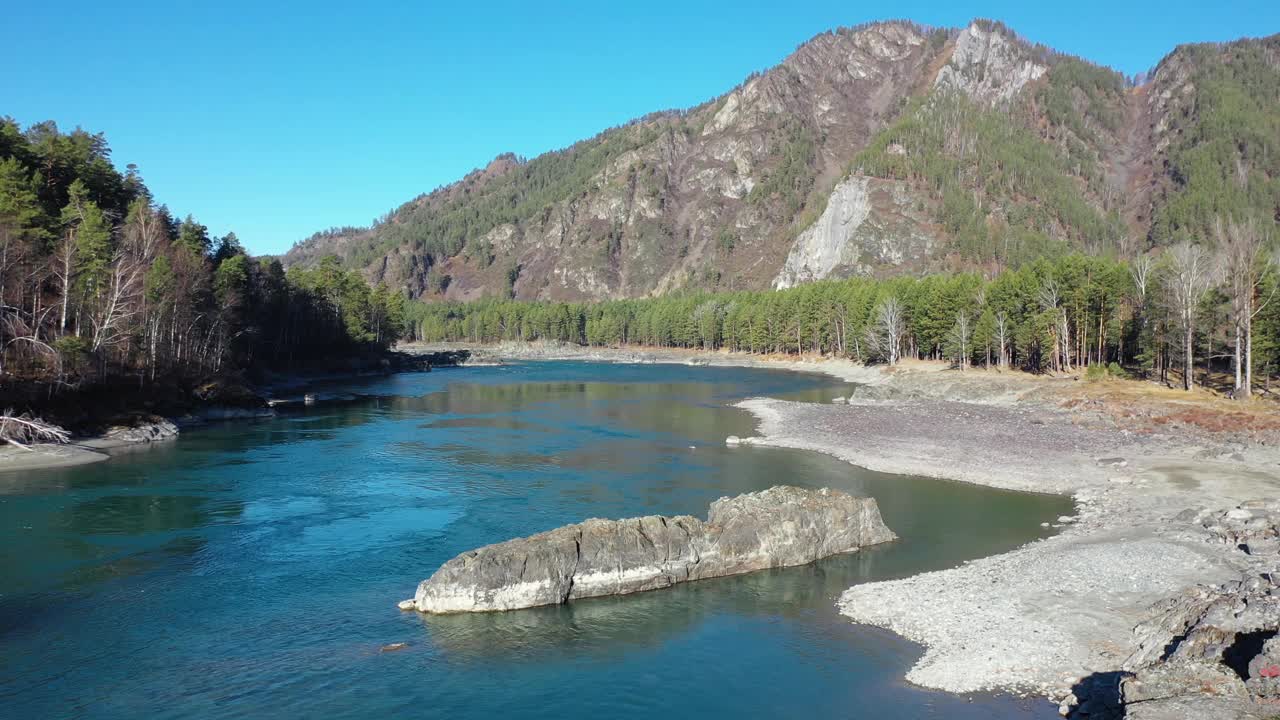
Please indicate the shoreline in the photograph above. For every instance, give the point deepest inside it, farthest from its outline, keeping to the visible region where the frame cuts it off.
(1046, 619)
(482, 355)
(282, 391)
(1154, 474)
(1051, 618)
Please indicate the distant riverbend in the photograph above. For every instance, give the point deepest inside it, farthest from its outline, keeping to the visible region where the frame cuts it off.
(252, 569)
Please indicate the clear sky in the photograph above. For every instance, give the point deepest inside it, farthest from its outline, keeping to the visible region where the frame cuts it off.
(276, 119)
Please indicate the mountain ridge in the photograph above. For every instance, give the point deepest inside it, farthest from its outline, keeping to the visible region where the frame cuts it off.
(737, 192)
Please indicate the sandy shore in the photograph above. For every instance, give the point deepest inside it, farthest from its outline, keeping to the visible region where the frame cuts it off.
(44, 457)
(85, 450)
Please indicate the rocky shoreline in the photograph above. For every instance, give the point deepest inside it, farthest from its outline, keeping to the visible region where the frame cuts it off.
(1071, 617)
(780, 527)
(1156, 476)
(1057, 617)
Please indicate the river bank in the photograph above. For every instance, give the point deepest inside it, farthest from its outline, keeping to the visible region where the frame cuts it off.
(106, 418)
(1055, 618)
(478, 354)
(87, 449)
(1152, 472)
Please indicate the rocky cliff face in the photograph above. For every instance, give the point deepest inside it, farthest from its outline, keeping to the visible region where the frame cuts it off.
(988, 66)
(769, 184)
(779, 527)
(868, 224)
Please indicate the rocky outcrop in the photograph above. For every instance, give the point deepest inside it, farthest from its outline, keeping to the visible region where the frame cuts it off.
(868, 223)
(1211, 651)
(779, 527)
(1210, 642)
(154, 431)
(989, 66)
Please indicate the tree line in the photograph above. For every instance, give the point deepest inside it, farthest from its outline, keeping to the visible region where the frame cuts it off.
(1192, 307)
(98, 282)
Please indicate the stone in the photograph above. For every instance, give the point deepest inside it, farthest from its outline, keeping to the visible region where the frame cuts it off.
(144, 433)
(1217, 641)
(1264, 671)
(779, 527)
(988, 66)
(733, 441)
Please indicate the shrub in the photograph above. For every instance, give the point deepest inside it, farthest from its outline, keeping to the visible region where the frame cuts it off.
(74, 350)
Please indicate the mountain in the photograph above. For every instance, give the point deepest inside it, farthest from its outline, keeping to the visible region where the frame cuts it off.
(879, 149)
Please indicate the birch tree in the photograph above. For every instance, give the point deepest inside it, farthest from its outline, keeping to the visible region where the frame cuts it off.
(1243, 249)
(884, 335)
(1191, 276)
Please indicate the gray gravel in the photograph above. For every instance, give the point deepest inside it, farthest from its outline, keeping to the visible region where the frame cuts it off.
(1037, 619)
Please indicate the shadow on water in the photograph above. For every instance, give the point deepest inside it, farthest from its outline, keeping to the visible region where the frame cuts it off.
(252, 569)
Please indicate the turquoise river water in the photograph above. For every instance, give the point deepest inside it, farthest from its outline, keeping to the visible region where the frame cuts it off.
(252, 569)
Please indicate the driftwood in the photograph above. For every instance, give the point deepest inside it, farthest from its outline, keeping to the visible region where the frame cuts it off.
(24, 430)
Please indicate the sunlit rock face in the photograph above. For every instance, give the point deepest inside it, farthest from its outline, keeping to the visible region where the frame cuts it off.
(779, 527)
(988, 66)
(869, 223)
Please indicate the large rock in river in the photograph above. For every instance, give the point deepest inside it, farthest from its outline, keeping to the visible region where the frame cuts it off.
(778, 527)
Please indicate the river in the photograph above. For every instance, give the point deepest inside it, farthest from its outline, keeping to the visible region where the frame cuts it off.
(252, 569)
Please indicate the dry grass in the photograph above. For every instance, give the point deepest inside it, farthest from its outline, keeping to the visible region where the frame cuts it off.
(1137, 405)
(1147, 405)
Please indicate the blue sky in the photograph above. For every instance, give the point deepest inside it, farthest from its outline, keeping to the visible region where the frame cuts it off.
(278, 119)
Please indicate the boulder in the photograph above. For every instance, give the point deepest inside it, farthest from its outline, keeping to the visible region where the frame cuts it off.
(779, 527)
(155, 431)
(1210, 641)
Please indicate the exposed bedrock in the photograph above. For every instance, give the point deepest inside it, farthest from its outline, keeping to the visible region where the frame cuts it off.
(1211, 652)
(779, 527)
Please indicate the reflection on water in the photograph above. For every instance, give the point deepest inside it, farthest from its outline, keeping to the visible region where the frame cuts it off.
(252, 569)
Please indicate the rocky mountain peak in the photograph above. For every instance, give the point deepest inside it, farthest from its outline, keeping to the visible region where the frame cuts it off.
(989, 65)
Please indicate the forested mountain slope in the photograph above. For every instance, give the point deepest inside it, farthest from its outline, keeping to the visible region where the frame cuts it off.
(874, 150)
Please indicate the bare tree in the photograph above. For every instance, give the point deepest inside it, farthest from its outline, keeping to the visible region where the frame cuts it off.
(1051, 300)
(1140, 271)
(1002, 337)
(23, 430)
(1191, 277)
(884, 335)
(64, 268)
(144, 232)
(960, 339)
(1243, 249)
(120, 302)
